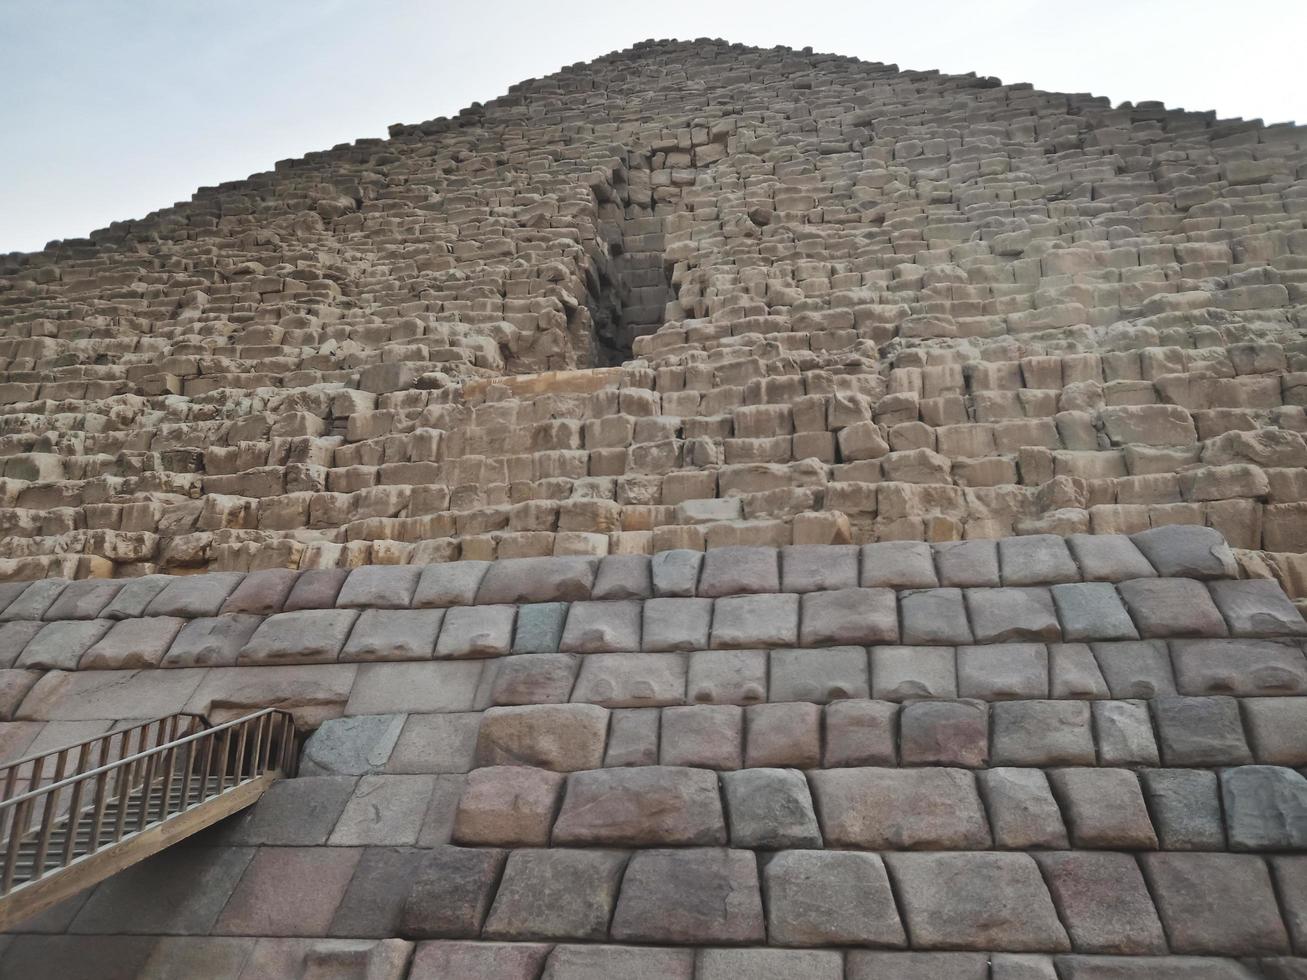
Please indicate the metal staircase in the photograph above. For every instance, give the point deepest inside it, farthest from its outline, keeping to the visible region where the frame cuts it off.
(75, 815)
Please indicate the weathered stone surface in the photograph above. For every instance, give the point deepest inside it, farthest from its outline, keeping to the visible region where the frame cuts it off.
(813, 568)
(1169, 607)
(829, 898)
(633, 737)
(755, 621)
(1021, 808)
(784, 735)
(384, 809)
(1104, 808)
(60, 646)
(539, 627)
(80, 600)
(1277, 728)
(643, 807)
(1257, 607)
(770, 809)
(692, 895)
(1195, 894)
(438, 743)
(898, 564)
(967, 563)
(562, 737)
(14, 638)
(605, 962)
(1123, 731)
(864, 965)
(1011, 615)
(1092, 611)
(675, 572)
(308, 637)
(261, 593)
(451, 893)
(899, 673)
(934, 616)
(1036, 559)
(374, 901)
(379, 587)
(453, 583)
(537, 580)
(211, 641)
(538, 678)
(351, 746)
(735, 571)
(35, 599)
(1109, 558)
(944, 733)
(1041, 733)
(556, 893)
(676, 624)
(1135, 670)
(708, 736)
(1186, 551)
(1200, 732)
(1265, 808)
(479, 960)
(900, 809)
(475, 631)
(860, 733)
(293, 812)
(393, 634)
(133, 643)
(602, 627)
(316, 588)
(631, 680)
(191, 596)
(1104, 902)
(1003, 671)
(288, 891)
(413, 687)
(623, 577)
(769, 964)
(507, 806)
(843, 616)
(1240, 667)
(727, 677)
(1186, 808)
(820, 676)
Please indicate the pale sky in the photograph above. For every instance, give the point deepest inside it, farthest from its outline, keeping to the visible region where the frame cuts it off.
(110, 109)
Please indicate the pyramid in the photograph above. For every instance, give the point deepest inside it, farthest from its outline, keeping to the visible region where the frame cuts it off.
(710, 512)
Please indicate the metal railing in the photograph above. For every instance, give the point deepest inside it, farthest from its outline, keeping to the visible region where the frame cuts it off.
(52, 813)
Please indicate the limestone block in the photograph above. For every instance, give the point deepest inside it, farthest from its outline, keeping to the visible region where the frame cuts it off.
(1007, 615)
(563, 737)
(395, 634)
(1124, 733)
(631, 680)
(692, 895)
(676, 624)
(819, 676)
(1277, 728)
(675, 572)
(898, 564)
(770, 809)
(770, 964)
(863, 809)
(830, 898)
(1092, 611)
(316, 588)
(436, 743)
(844, 616)
(739, 570)
(1104, 808)
(633, 737)
(307, 637)
(83, 600)
(602, 627)
(623, 577)
(1265, 808)
(60, 646)
(469, 632)
(1021, 808)
(1186, 551)
(541, 678)
(755, 620)
(641, 807)
(1257, 607)
(1186, 808)
(14, 637)
(539, 627)
(379, 587)
(967, 563)
(902, 672)
(1109, 557)
(210, 641)
(35, 600)
(1036, 559)
(558, 893)
(1135, 670)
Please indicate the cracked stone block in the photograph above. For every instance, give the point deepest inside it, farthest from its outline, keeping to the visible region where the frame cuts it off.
(36, 598)
(864, 809)
(507, 806)
(1135, 670)
(820, 676)
(393, 634)
(539, 627)
(944, 733)
(1172, 607)
(641, 807)
(623, 577)
(1124, 732)
(770, 964)
(627, 962)
(1042, 733)
(194, 595)
(860, 733)
(133, 643)
(296, 812)
(1108, 557)
(83, 600)
(1003, 671)
(633, 737)
(1257, 607)
(976, 901)
(898, 565)
(436, 743)
(602, 627)
(1012, 615)
(1195, 894)
(536, 678)
(379, 587)
(900, 673)
(675, 572)
(710, 736)
(830, 898)
(727, 677)
(1200, 731)
(210, 641)
(934, 616)
(515, 580)
(451, 893)
(967, 564)
(288, 891)
(631, 680)
(844, 616)
(557, 893)
(1022, 811)
(1186, 551)
(314, 636)
(816, 567)
(1036, 559)
(452, 583)
(374, 900)
(475, 631)
(1092, 611)
(385, 809)
(1073, 672)
(785, 735)
(351, 746)
(14, 638)
(1277, 728)
(317, 588)
(1265, 808)
(1186, 808)
(261, 593)
(692, 895)
(1238, 667)
(478, 960)
(413, 687)
(1104, 902)
(739, 570)
(1104, 808)
(676, 624)
(770, 809)
(561, 737)
(60, 646)
(745, 621)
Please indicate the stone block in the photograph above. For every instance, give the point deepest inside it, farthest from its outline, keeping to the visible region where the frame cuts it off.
(934, 616)
(288, 891)
(900, 673)
(190, 596)
(507, 806)
(385, 809)
(1171, 607)
(537, 678)
(786, 735)
(379, 587)
(735, 571)
(628, 962)
(979, 901)
(1265, 808)
(35, 600)
(602, 627)
(830, 898)
(819, 676)
(770, 809)
(865, 809)
(633, 737)
(1104, 808)
(1042, 733)
(351, 746)
(1022, 811)
(1257, 607)
(176, 957)
(1277, 728)
(80, 600)
(1186, 808)
(132, 643)
(631, 680)
(437, 743)
(261, 593)
(1290, 873)
(623, 577)
(1104, 902)
(561, 737)
(293, 812)
(844, 616)
(539, 627)
(131, 600)
(813, 568)
(692, 895)
(944, 733)
(1238, 667)
(1195, 894)
(709, 736)
(77, 957)
(770, 964)
(413, 687)
(444, 960)
(60, 646)
(675, 572)
(563, 579)
(1003, 671)
(1135, 670)
(866, 965)
(313, 636)
(14, 638)
(1036, 559)
(312, 695)
(453, 583)
(1092, 611)
(556, 893)
(393, 634)
(210, 641)
(1012, 615)
(727, 677)
(745, 621)
(898, 565)
(1200, 732)
(471, 632)
(14, 685)
(1186, 551)
(1108, 558)
(641, 807)
(1073, 672)
(1124, 733)
(374, 901)
(316, 588)
(967, 564)
(451, 893)
(676, 624)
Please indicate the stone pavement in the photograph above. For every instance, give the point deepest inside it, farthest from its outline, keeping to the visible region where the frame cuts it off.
(711, 512)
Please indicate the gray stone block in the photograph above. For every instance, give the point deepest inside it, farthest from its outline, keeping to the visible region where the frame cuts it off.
(1036, 559)
(452, 583)
(132, 643)
(865, 965)
(1108, 558)
(436, 743)
(374, 900)
(900, 673)
(1239, 667)
(1104, 902)
(1104, 808)
(819, 676)
(351, 746)
(36, 598)
(384, 809)
(83, 600)
(1003, 671)
(539, 627)
(631, 680)
(1257, 607)
(1277, 728)
(413, 687)
(708, 736)
(1135, 670)
(744, 621)
(864, 809)
(785, 735)
(650, 806)
(1021, 808)
(1196, 894)
(628, 962)
(692, 895)
(769, 809)
(843, 616)
(556, 893)
(565, 579)
(860, 733)
(934, 616)
(633, 737)
(1171, 607)
(727, 676)
(561, 737)
(1092, 611)
(472, 632)
(1187, 551)
(1265, 808)
(676, 572)
(211, 641)
(60, 646)
(1012, 615)
(14, 638)
(313, 636)
(967, 564)
(944, 733)
(1042, 733)
(379, 587)
(476, 960)
(602, 627)
(1124, 732)
(770, 964)
(536, 678)
(623, 577)
(261, 593)
(898, 565)
(1073, 672)
(195, 595)
(296, 812)
(1200, 732)
(816, 567)
(1186, 808)
(676, 624)
(393, 634)
(316, 588)
(134, 597)
(830, 898)
(451, 893)
(738, 571)
(507, 806)
(288, 891)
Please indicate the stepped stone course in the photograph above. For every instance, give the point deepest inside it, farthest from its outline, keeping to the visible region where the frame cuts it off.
(711, 512)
